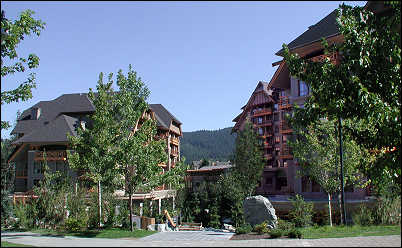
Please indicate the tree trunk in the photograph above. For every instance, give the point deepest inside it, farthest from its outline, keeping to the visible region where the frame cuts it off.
(340, 207)
(131, 210)
(329, 209)
(99, 204)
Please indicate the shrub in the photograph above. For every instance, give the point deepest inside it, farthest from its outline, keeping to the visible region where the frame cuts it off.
(302, 212)
(261, 228)
(363, 217)
(295, 233)
(74, 225)
(285, 225)
(243, 229)
(275, 233)
(387, 211)
(321, 218)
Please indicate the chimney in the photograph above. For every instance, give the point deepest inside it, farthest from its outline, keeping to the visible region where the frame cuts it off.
(35, 113)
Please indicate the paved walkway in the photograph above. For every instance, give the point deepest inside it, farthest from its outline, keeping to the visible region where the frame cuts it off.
(204, 239)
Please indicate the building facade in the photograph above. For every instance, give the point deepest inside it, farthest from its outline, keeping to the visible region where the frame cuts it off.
(270, 102)
(45, 125)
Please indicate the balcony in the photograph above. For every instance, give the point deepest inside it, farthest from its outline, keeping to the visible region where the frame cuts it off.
(51, 155)
(267, 145)
(174, 153)
(21, 173)
(284, 102)
(264, 123)
(261, 112)
(333, 58)
(268, 156)
(174, 141)
(286, 152)
(284, 128)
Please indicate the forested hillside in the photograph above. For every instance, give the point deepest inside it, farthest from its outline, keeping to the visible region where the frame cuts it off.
(215, 145)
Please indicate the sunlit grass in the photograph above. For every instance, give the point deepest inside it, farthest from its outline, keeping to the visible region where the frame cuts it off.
(349, 231)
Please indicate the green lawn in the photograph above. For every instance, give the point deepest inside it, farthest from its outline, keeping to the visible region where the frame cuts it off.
(103, 233)
(349, 231)
(8, 244)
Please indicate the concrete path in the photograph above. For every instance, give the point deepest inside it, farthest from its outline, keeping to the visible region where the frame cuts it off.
(183, 239)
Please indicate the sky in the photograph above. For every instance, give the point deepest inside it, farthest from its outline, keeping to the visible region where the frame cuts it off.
(201, 60)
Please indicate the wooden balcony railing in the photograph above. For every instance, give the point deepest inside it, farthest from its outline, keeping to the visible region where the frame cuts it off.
(264, 123)
(268, 156)
(174, 153)
(267, 145)
(333, 58)
(285, 128)
(21, 173)
(265, 111)
(52, 155)
(174, 141)
(286, 152)
(284, 102)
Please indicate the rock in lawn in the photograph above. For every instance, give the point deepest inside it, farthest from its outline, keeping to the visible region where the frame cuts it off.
(257, 209)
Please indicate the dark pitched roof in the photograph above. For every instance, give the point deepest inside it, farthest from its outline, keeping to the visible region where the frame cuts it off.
(326, 27)
(55, 131)
(60, 116)
(163, 116)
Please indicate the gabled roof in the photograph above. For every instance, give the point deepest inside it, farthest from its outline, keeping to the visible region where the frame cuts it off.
(326, 27)
(59, 116)
(55, 131)
(163, 117)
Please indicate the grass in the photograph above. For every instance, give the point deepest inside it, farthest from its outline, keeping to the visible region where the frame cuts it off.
(111, 233)
(349, 231)
(8, 244)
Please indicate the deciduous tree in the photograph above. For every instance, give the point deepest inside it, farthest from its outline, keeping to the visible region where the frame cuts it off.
(12, 33)
(364, 87)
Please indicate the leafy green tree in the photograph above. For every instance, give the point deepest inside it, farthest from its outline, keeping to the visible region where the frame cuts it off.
(248, 161)
(94, 147)
(315, 148)
(364, 87)
(12, 32)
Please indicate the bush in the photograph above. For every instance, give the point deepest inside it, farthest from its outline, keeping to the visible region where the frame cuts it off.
(275, 233)
(243, 229)
(74, 225)
(295, 233)
(363, 217)
(285, 225)
(387, 211)
(321, 218)
(261, 228)
(302, 212)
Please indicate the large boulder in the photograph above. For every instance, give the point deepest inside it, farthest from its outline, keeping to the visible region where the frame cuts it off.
(257, 209)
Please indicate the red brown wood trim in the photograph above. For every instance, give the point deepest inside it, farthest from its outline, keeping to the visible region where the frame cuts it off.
(15, 154)
(277, 63)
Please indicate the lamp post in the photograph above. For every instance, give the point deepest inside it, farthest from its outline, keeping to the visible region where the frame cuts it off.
(341, 162)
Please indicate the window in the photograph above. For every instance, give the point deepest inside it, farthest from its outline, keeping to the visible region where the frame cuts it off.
(285, 163)
(283, 93)
(259, 120)
(277, 149)
(276, 129)
(277, 139)
(303, 88)
(268, 180)
(305, 184)
(279, 163)
(276, 116)
(37, 167)
(275, 107)
(284, 138)
(260, 131)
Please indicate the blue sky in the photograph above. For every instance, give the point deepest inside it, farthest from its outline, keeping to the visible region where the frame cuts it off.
(201, 60)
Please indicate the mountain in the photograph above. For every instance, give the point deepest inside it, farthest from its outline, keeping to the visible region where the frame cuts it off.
(208, 144)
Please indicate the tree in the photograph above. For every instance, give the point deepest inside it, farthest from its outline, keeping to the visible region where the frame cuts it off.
(94, 146)
(248, 160)
(12, 32)
(315, 148)
(364, 87)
